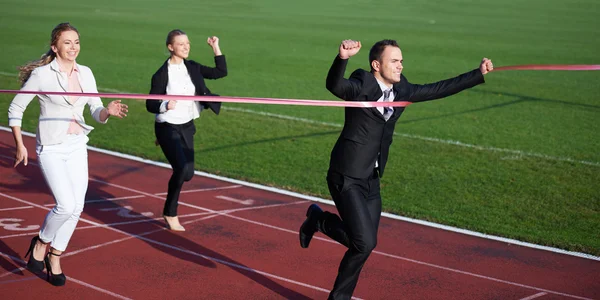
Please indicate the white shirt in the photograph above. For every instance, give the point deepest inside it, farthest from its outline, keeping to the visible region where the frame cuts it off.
(179, 83)
(383, 89)
(381, 109)
(56, 112)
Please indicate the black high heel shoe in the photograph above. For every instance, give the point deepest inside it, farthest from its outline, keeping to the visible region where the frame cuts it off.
(33, 264)
(54, 279)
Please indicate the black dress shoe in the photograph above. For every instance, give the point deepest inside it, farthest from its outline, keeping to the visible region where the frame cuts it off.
(310, 225)
(33, 264)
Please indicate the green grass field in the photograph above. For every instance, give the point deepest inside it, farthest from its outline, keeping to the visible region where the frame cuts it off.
(517, 157)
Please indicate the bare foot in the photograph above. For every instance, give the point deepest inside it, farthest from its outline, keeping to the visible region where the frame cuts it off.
(173, 223)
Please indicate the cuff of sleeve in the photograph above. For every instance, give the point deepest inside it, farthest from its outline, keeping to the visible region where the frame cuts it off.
(15, 122)
(97, 113)
(480, 77)
(163, 106)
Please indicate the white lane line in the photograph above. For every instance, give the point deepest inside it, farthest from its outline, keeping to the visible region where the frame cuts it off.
(326, 201)
(425, 138)
(226, 213)
(109, 199)
(7, 74)
(131, 236)
(19, 280)
(244, 202)
(329, 202)
(148, 194)
(534, 296)
(220, 212)
(157, 194)
(377, 252)
(206, 189)
(99, 289)
(163, 228)
(19, 234)
(70, 278)
(405, 135)
(15, 208)
(237, 266)
(140, 236)
(295, 232)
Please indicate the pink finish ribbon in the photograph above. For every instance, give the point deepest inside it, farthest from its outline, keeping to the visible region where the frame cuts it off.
(550, 68)
(294, 101)
(222, 99)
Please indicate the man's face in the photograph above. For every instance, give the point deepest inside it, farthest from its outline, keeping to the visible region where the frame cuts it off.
(389, 66)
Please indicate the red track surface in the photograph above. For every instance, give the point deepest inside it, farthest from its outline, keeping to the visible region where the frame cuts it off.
(249, 250)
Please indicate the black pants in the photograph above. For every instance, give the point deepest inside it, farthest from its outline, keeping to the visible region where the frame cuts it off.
(358, 202)
(177, 143)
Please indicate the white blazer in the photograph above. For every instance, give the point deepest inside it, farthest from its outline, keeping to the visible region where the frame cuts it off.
(55, 111)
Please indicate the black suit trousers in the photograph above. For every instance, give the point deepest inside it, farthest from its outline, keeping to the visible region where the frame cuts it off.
(177, 143)
(358, 202)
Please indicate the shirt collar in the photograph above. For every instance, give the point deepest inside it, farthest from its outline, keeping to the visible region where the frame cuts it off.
(172, 65)
(382, 86)
(56, 66)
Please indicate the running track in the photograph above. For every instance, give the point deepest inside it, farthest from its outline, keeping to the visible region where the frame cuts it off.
(242, 243)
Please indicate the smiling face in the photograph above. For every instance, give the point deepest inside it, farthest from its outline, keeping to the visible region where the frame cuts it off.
(180, 46)
(389, 67)
(67, 46)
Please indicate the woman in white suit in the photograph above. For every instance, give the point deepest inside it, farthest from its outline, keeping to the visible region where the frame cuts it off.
(61, 141)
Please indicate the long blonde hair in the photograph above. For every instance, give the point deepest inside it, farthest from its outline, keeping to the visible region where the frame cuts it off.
(25, 70)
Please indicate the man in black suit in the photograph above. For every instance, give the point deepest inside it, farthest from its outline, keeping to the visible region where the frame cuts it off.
(360, 154)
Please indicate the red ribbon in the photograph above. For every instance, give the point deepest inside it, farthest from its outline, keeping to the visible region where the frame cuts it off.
(222, 99)
(550, 68)
(294, 101)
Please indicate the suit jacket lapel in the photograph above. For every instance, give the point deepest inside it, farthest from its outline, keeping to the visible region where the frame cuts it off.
(60, 78)
(399, 95)
(163, 72)
(201, 88)
(400, 89)
(377, 113)
(193, 77)
(192, 71)
(82, 82)
(373, 94)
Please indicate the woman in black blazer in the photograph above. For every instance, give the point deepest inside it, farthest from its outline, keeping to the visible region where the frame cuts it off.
(174, 126)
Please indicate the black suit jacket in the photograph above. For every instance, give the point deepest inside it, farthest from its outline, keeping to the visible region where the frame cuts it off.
(366, 133)
(197, 72)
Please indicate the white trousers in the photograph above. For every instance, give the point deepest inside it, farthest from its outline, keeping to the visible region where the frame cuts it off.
(65, 168)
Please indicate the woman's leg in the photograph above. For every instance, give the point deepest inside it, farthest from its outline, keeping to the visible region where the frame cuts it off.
(176, 142)
(77, 165)
(170, 142)
(65, 169)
